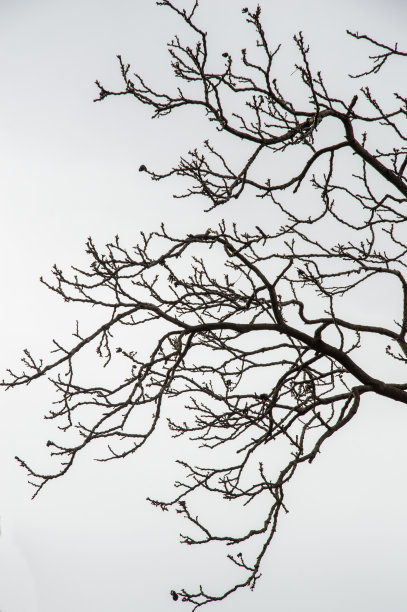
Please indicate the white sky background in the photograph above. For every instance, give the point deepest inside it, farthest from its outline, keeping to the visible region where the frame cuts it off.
(68, 169)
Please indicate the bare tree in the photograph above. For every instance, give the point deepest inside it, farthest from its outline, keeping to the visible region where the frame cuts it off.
(246, 327)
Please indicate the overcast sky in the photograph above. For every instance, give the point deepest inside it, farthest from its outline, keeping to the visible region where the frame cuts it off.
(68, 169)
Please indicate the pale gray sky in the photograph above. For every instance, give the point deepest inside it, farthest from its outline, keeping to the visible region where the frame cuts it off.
(68, 169)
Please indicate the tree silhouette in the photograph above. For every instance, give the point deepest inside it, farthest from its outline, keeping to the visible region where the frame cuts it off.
(247, 327)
